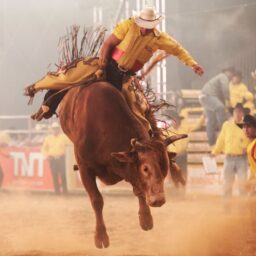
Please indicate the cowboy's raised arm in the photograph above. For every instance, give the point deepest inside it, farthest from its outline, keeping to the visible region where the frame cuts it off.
(171, 46)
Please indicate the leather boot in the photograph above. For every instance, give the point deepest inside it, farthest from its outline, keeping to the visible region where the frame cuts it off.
(43, 112)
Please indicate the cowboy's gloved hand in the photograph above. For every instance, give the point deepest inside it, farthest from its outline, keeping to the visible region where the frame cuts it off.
(198, 69)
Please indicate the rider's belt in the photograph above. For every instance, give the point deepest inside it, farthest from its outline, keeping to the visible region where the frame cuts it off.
(122, 69)
(117, 54)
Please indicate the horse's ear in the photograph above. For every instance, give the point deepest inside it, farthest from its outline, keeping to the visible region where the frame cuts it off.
(124, 157)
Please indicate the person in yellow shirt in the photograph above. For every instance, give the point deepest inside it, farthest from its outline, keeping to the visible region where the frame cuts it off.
(232, 142)
(53, 149)
(239, 92)
(249, 126)
(134, 41)
(182, 126)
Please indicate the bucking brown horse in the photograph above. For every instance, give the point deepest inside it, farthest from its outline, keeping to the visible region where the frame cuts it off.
(110, 143)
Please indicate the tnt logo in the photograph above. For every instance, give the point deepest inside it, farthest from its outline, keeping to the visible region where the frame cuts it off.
(26, 165)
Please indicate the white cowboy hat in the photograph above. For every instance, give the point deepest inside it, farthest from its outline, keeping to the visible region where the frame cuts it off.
(147, 17)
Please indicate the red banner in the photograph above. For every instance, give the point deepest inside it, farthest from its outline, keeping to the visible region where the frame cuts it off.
(25, 168)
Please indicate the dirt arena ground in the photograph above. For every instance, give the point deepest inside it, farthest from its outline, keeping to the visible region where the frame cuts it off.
(36, 225)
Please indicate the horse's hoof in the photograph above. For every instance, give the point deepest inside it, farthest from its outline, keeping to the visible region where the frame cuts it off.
(101, 240)
(146, 221)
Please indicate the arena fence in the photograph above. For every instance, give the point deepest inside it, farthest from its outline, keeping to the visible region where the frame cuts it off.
(26, 126)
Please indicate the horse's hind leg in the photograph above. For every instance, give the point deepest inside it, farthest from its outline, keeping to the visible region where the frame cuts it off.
(145, 217)
(89, 182)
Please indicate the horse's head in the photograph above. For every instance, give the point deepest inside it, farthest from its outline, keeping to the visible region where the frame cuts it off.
(148, 165)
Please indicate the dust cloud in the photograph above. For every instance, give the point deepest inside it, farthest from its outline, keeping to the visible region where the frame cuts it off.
(40, 225)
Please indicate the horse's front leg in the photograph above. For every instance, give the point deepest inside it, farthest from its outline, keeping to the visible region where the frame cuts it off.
(145, 217)
(89, 182)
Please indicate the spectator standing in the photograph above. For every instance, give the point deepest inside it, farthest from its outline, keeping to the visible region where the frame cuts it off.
(233, 143)
(54, 150)
(239, 92)
(215, 94)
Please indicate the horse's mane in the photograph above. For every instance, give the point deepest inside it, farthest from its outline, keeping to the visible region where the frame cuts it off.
(156, 105)
(77, 44)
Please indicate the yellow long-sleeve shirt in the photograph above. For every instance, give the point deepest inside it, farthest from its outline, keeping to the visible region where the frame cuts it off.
(231, 140)
(251, 155)
(137, 48)
(185, 127)
(239, 93)
(54, 145)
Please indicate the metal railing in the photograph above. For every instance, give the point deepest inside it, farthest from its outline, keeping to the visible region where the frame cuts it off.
(28, 129)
